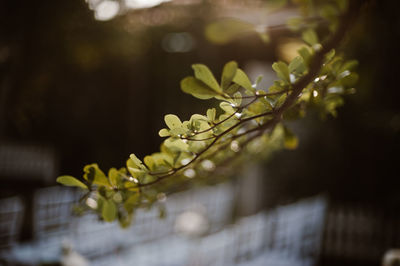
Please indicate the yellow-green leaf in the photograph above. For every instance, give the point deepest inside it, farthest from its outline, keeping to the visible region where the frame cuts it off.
(197, 88)
(211, 114)
(203, 73)
(172, 121)
(109, 211)
(282, 70)
(130, 203)
(310, 37)
(94, 175)
(244, 81)
(228, 73)
(114, 177)
(164, 133)
(71, 181)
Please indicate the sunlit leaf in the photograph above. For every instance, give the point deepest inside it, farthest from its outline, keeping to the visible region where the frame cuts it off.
(203, 73)
(164, 133)
(197, 88)
(172, 121)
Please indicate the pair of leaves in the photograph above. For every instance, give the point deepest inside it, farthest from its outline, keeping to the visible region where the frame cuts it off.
(204, 85)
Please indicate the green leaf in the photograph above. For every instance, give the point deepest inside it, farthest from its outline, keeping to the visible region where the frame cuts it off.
(232, 89)
(164, 133)
(244, 81)
(197, 88)
(282, 70)
(114, 177)
(138, 163)
(304, 52)
(109, 211)
(130, 203)
(237, 99)
(149, 161)
(176, 144)
(172, 121)
(310, 37)
(297, 65)
(211, 115)
(203, 73)
(71, 181)
(228, 73)
(94, 175)
(135, 166)
(227, 107)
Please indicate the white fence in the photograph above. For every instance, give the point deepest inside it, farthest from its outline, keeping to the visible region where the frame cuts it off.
(196, 231)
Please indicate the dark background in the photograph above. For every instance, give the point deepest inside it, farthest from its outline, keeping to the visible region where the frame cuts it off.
(97, 91)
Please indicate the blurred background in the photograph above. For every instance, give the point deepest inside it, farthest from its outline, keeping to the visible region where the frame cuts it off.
(90, 81)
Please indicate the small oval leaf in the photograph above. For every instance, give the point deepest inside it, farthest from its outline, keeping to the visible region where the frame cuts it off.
(203, 73)
(70, 181)
(172, 121)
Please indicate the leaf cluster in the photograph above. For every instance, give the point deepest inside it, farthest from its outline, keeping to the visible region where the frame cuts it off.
(248, 120)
